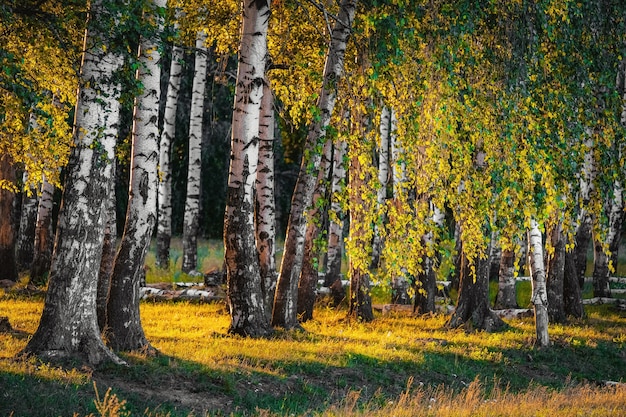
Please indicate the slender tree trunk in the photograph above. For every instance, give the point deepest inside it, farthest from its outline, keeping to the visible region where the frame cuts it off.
(425, 295)
(495, 257)
(472, 309)
(68, 325)
(26, 236)
(332, 278)
(123, 320)
(164, 224)
(507, 296)
(7, 233)
(555, 276)
(266, 204)
(192, 201)
(43, 236)
(107, 263)
(604, 248)
(572, 294)
(539, 293)
(310, 261)
(285, 302)
(245, 291)
(383, 179)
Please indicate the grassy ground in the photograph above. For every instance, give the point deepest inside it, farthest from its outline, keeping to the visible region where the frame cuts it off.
(398, 365)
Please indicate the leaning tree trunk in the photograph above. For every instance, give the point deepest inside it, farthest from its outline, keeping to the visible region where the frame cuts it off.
(123, 319)
(555, 276)
(285, 303)
(472, 308)
(68, 325)
(25, 247)
(109, 248)
(7, 233)
(43, 236)
(383, 179)
(266, 204)
(507, 296)
(332, 277)
(610, 244)
(310, 260)
(538, 275)
(164, 212)
(244, 289)
(192, 201)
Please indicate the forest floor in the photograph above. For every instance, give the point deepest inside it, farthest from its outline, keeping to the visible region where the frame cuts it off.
(335, 367)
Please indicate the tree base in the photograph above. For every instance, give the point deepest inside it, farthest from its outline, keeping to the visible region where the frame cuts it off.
(485, 319)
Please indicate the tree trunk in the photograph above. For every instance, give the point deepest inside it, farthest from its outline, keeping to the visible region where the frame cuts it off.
(539, 292)
(555, 276)
(192, 201)
(7, 233)
(266, 204)
(495, 257)
(383, 179)
(572, 294)
(107, 263)
(123, 320)
(332, 278)
(472, 308)
(25, 248)
(604, 248)
(285, 303)
(244, 292)
(583, 239)
(507, 296)
(68, 325)
(44, 236)
(310, 261)
(425, 295)
(164, 222)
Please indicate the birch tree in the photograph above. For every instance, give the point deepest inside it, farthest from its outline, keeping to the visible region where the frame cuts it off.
(28, 219)
(539, 297)
(123, 318)
(285, 302)
(164, 211)
(7, 232)
(244, 288)
(192, 200)
(68, 325)
(383, 179)
(265, 200)
(44, 236)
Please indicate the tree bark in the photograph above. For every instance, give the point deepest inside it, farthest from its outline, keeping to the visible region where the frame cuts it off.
(107, 263)
(425, 295)
(43, 236)
(555, 276)
(285, 302)
(572, 294)
(25, 245)
(244, 289)
(164, 220)
(7, 232)
(123, 319)
(332, 278)
(266, 204)
(539, 291)
(310, 260)
(472, 309)
(192, 201)
(68, 325)
(507, 296)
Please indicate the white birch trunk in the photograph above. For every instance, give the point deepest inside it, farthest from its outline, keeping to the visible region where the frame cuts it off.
(43, 235)
(266, 204)
(285, 302)
(244, 292)
(383, 179)
(398, 166)
(123, 319)
(336, 225)
(192, 201)
(24, 250)
(539, 290)
(164, 220)
(68, 325)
